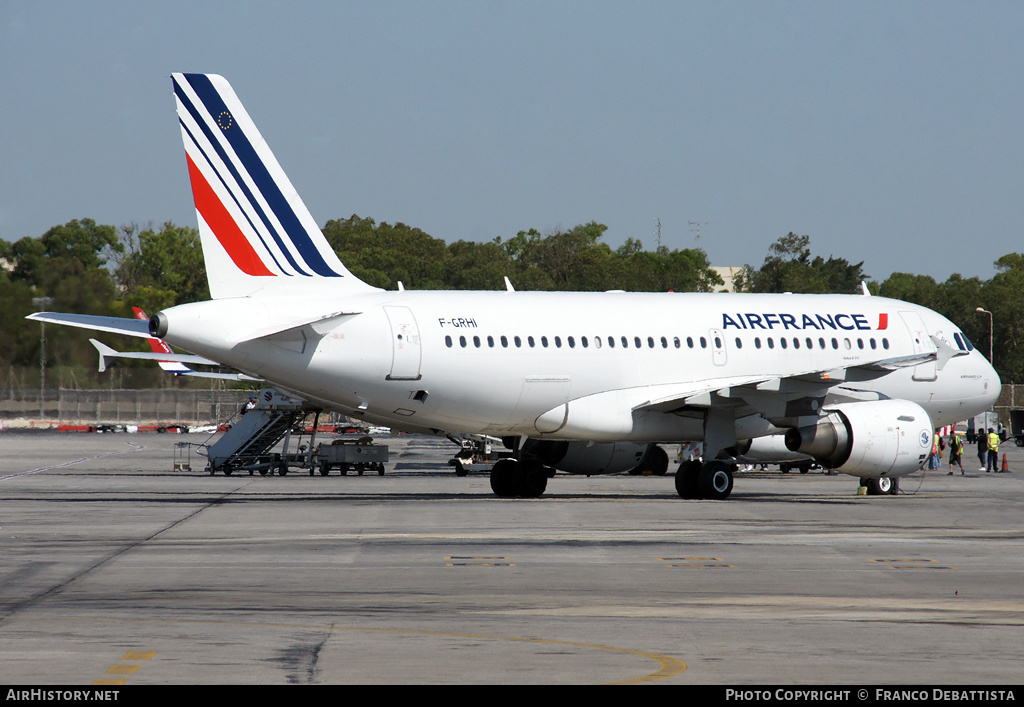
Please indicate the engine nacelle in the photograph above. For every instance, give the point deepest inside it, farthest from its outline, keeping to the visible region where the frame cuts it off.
(764, 450)
(589, 459)
(869, 439)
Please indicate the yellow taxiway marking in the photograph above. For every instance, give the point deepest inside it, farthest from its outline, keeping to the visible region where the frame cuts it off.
(120, 669)
(670, 666)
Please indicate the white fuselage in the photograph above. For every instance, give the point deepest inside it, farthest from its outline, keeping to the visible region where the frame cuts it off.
(507, 363)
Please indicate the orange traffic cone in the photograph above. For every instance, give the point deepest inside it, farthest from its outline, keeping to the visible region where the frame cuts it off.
(1006, 467)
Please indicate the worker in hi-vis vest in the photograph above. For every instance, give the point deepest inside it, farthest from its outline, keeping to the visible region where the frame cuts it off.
(993, 451)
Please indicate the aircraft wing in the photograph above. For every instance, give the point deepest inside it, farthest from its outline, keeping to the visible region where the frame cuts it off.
(114, 325)
(776, 397)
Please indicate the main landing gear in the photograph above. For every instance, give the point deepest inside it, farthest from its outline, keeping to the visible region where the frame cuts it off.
(881, 486)
(713, 480)
(523, 478)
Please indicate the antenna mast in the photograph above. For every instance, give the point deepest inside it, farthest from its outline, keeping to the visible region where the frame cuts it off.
(695, 228)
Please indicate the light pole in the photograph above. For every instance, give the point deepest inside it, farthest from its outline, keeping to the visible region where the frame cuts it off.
(41, 303)
(985, 311)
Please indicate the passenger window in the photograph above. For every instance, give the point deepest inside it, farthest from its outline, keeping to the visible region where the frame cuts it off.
(476, 341)
(490, 341)
(835, 344)
(885, 344)
(519, 342)
(771, 343)
(689, 341)
(572, 342)
(703, 343)
(739, 344)
(462, 341)
(504, 341)
(448, 341)
(757, 342)
(558, 342)
(782, 343)
(544, 341)
(796, 343)
(625, 343)
(529, 340)
(675, 340)
(636, 340)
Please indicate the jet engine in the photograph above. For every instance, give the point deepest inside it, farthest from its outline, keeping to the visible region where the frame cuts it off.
(592, 459)
(871, 439)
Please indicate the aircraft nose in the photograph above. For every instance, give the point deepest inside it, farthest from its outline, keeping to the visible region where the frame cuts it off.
(992, 385)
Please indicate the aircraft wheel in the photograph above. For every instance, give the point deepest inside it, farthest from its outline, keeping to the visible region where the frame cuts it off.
(532, 481)
(657, 460)
(686, 479)
(325, 469)
(881, 486)
(503, 478)
(460, 468)
(715, 481)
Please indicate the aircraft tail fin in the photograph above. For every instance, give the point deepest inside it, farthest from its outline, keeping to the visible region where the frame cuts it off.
(256, 233)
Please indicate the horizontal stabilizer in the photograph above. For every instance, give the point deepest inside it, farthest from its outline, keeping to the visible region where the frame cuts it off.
(107, 353)
(114, 325)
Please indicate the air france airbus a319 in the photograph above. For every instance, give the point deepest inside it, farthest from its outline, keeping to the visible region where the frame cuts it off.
(582, 382)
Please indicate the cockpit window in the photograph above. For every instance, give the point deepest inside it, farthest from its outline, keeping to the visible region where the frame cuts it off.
(963, 342)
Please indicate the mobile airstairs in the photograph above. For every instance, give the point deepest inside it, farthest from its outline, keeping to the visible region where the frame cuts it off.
(247, 445)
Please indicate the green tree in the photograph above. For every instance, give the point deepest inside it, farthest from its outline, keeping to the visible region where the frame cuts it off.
(789, 267)
(160, 269)
(382, 254)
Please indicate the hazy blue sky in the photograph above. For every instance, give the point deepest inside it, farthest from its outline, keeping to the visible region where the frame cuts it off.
(890, 132)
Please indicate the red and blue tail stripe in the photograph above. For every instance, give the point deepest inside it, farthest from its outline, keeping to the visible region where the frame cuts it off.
(245, 202)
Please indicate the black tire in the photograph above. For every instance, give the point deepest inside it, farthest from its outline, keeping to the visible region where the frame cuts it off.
(881, 486)
(686, 479)
(503, 478)
(715, 481)
(656, 461)
(532, 481)
(460, 468)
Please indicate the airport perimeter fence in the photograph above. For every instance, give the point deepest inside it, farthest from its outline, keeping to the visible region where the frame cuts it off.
(20, 407)
(168, 406)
